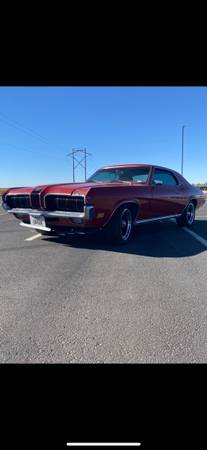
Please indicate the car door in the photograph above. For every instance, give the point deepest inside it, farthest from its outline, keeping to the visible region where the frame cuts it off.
(165, 194)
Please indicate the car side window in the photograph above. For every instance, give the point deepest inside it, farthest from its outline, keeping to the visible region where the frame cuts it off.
(101, 176)
(140, 178)
(164, 177)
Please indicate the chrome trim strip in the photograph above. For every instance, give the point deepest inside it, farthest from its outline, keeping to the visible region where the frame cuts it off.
(46, 213)
(67, 195)
(137, 222)
(89, 212)
(34, 227)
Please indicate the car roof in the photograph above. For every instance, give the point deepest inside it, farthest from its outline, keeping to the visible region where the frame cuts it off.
(126, 165)
(137, 165)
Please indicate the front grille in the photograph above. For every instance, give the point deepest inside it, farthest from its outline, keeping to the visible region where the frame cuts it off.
(64, 203)
(35, 200)
(18, 201)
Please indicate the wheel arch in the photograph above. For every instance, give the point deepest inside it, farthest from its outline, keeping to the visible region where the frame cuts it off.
(194, 200)
(132, 204)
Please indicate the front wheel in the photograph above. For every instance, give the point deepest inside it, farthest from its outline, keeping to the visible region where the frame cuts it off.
(120, 228)
(188, 216)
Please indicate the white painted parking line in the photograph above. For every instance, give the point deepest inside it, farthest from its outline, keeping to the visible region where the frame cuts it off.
(196, 236)
(3, 214)
(31, 238)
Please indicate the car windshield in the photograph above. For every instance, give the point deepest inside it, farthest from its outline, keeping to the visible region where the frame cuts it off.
(134, 174)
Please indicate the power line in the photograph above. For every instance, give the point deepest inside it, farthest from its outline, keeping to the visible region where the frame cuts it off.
(18, 126)
(24, 129)
(30, 131)
(45, 153)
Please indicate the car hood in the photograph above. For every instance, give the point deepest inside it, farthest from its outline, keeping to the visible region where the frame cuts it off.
(66, 188)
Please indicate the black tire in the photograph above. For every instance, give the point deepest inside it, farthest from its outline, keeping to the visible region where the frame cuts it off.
(120, 228)
(188, 216)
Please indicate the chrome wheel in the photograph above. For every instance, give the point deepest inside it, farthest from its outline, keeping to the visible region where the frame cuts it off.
(190, 213)
(125, 224)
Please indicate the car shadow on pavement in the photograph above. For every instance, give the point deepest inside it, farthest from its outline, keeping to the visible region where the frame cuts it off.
(160, 239)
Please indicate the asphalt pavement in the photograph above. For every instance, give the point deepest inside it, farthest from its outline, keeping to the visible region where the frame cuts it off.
(73, 300)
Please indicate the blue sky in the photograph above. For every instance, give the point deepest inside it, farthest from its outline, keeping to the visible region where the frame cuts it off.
(40, 125)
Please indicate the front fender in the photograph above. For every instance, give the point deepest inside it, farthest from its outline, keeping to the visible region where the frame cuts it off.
(118, 205)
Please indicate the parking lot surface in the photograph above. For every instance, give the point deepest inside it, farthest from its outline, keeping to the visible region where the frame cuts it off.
(78, 299)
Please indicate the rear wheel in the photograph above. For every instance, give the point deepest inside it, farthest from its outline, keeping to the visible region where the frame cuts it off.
(188, 216)
(120, 228)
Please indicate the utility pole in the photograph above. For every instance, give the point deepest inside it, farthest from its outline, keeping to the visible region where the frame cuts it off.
(85, 162)
(82, 161)
(73, 166)
(182, 149)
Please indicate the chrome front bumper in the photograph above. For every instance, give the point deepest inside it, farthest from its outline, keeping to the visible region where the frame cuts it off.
(87, 214)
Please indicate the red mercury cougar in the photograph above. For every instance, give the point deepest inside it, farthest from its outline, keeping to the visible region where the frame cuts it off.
(113, 200)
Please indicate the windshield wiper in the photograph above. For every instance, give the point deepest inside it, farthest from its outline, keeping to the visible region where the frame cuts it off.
(109, 181)
(119, 181)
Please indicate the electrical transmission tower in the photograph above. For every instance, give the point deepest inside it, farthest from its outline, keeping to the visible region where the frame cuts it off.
(79, 162)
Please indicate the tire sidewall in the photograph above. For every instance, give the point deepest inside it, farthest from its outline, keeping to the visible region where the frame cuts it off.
(192, 206)
(114, 233)
(182, 220)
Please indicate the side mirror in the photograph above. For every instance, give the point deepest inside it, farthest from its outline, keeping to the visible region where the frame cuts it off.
(159, 182)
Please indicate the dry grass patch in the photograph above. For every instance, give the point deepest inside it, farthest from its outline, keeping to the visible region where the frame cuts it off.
(2, 190)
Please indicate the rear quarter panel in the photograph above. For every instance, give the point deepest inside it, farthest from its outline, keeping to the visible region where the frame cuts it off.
(191, 192)
(199, 196)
